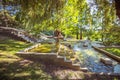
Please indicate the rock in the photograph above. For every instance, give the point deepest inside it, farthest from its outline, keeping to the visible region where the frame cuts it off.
(106, 61)
(117, 69)
(85, 69)
(85, 45)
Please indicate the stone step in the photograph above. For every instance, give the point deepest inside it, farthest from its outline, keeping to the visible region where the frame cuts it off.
(84, 69)
(61, 58)
(106, 61)
(68, 63)
(24, 37)
(76, 66)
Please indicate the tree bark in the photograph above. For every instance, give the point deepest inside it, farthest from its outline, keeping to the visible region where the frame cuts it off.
(80, 33)
(117, 6)
(77, 34)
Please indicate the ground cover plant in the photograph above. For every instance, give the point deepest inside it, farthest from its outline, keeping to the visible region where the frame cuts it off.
(115, 51)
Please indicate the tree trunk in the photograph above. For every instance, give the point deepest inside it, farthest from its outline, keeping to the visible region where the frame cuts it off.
(117, 6)
(77, 34)
(102, 37)
(80, 33)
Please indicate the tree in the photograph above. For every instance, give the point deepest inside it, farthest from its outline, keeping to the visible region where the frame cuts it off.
(70, 16)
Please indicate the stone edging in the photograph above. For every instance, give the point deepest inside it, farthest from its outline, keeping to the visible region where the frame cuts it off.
(106, 74)
(52, 58)
(47, 57)
(107, 53)
(110, 47)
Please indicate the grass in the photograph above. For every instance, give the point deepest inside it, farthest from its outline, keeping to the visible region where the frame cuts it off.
(20, 70)
(44, 48)
(9, 46)
(16, 68)
(115, 51)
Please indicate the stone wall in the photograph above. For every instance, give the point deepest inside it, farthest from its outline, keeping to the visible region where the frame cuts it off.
(50, 58)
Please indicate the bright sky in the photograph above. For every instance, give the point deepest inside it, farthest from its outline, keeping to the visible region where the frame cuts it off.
(92, 5)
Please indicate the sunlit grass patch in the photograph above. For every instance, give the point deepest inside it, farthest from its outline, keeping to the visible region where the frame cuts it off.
(67, 52)
(9, 46)
(115, 51)
(10, 60)
(44, 48)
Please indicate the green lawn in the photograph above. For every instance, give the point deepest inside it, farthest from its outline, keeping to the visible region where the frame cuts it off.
(13, 67)
(9, 46)
(16, 68)
(115, 51)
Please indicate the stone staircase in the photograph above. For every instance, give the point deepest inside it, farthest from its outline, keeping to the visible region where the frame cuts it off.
(68, 63)
(17, 34)
(53, 58)
(50, 58)
(71, 64)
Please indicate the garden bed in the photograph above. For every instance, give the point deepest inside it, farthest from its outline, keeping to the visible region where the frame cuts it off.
(49, 53)
(44, 48)
(47, 48)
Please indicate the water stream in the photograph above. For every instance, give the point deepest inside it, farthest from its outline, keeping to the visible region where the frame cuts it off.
(90, 59)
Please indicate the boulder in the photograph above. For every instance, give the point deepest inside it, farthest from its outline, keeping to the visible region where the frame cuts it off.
(85, 45)
(106, 61)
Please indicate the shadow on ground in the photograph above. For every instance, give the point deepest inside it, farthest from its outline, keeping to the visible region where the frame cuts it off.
(12, 46)
(15, 68)
(20, 69)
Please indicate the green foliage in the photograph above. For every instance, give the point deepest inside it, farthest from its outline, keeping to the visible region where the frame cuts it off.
(36, 12)
(6, 20)
(115, 51)
(106, 12)
(70, 16)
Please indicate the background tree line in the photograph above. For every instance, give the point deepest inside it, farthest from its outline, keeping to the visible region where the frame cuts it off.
(81, 19)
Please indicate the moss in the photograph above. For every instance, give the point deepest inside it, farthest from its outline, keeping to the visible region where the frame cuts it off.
(45, 48)
(68, 53)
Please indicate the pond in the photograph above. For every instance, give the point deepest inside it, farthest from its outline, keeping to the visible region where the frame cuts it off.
(90, 59)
